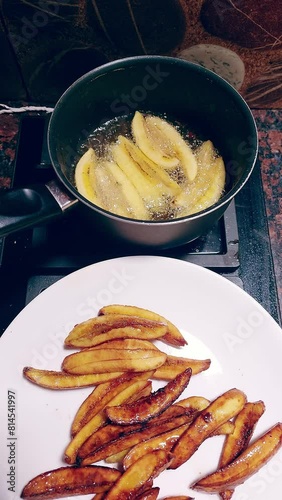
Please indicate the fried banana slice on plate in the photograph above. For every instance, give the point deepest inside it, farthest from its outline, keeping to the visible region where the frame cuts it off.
(226, 406)
(113, 360)
(248, 463)
(174, 365)
(61, 380)
(164, 441)
(126, 441)
(238, 440)
(98, 420)
(173, 336)
(153, 405)
(96, 330)
(66, 481)
(138, 475)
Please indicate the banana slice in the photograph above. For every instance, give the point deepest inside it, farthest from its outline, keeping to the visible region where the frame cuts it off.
(215, 189)
(182, 150)
(111, 194)
(151, 193)
(152, 142)
(156, 172)
(135, 206)
(84, 176)
(208, 186)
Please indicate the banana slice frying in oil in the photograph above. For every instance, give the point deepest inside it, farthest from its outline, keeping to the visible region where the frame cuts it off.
(155, 175)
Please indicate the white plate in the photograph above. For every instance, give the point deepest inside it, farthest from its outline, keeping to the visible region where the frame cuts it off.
(218, 319)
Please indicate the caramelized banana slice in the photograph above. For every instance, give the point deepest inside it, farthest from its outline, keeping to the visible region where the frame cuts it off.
(238, 440)
(66, 481)
(173, 335)
(130, 439)
(62, 380)
(181, 148)
(146, 408)
(98, 420)
(113, 360)
(164, 441)
(244, 426)
(226, 406)
(174, 365)
(101, 396)
(152, 142)
(98, 329)
(247, 464)
(142, 472)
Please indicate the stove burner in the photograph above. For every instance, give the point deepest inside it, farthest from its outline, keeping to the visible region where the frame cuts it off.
(237, 246)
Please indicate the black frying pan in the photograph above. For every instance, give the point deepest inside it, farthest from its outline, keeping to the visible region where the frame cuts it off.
(186, 91)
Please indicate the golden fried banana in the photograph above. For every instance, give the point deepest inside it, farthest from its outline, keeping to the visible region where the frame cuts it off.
(104, 435)
(126, 343)
(238, 440)
(225, 429)
(93, 331)
(62, 380)
(181, 148)
(98, 420)
(243, 467)
(144, 183)
(151, 168)
(112, 360)
(226, 406)
(152, 143)
(116, 458)
(101, 396)
(215, 189)
(139, 475)
(132, 438)
(136, 208)
(152, 406)
(173, 336)
(198, 403)
(66, 481)
(164, 441)
(244, 426)
(111, 432)
(174, 365)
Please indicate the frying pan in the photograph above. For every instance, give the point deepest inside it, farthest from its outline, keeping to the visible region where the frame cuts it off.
(158, 84)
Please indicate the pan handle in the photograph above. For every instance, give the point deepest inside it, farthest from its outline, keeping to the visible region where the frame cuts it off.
(21, 208)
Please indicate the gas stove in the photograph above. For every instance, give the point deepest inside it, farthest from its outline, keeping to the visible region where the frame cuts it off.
(237, 247)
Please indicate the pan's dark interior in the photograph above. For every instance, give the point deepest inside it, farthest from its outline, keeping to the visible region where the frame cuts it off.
(183, 90)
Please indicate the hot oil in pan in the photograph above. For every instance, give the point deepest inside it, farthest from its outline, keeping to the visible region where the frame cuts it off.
(161, 207)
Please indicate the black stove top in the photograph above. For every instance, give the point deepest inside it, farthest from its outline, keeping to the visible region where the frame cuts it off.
(237, 246)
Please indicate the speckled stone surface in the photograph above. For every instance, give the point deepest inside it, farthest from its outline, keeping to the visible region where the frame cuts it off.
(269, 124)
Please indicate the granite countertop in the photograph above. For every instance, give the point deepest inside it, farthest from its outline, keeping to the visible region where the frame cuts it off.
(269, 123)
